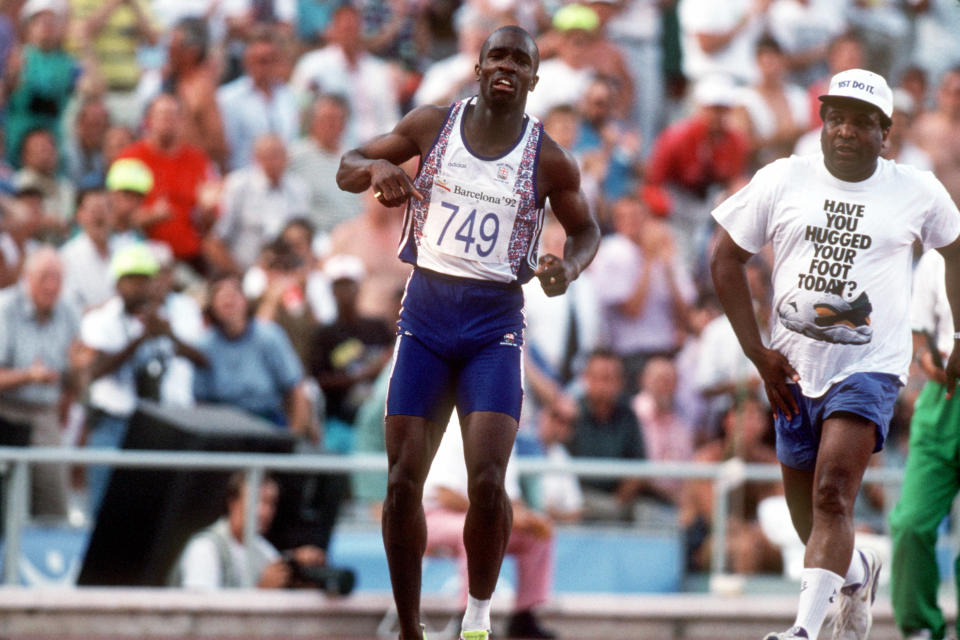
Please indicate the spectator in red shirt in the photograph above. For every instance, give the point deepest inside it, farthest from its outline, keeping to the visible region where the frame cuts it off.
(697, 158)
(180, 208)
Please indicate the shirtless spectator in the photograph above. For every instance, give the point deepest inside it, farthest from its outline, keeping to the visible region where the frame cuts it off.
(372, 237)
(773, 112)
(938, 133)
(191, 76)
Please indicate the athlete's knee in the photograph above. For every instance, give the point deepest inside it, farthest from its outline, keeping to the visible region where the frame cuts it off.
(404, 488)
(485, 488)
(833, 497)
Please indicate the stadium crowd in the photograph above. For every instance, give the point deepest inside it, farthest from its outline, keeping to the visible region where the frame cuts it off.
(170, 226)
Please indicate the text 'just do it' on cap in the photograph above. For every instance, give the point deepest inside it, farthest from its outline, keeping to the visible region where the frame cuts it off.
(865, 86)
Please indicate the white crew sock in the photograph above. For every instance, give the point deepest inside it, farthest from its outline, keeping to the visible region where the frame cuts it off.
(857, 573)
(818, 590)
(477, 616)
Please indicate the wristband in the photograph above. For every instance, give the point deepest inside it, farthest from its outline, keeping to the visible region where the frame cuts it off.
(956, 336)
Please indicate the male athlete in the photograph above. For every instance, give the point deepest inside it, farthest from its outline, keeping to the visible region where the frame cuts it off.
(472, 226)
(843, 225)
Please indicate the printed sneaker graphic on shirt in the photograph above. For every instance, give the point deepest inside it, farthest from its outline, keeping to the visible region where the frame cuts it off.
(828, 317)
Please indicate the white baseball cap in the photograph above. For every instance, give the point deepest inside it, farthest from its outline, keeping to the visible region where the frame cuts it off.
(33, 7)
(344, 266)
(865, 86)
(716, 91)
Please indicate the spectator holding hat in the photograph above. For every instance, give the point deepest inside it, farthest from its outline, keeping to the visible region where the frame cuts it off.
(130, 342)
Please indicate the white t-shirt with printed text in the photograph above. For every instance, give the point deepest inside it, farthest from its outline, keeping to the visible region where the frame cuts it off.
(842, 260)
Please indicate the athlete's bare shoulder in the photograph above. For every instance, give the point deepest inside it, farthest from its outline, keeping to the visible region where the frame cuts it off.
(422, 124)
(558, 169)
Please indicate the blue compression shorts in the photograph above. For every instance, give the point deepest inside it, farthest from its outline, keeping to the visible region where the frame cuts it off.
(868, 395)
(459, 345)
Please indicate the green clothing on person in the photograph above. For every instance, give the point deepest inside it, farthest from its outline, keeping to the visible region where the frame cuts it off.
(931, 482)
(43, 89)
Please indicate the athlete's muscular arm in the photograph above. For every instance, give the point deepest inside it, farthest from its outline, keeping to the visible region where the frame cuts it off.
(733, 291)
(375, 164)
(559, 180)
(951, 255)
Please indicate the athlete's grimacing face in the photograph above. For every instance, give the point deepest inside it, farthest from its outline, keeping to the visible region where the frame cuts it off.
(507, 69)
(852, 139)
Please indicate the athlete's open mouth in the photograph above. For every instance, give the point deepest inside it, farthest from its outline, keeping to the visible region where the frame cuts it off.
(503, 84)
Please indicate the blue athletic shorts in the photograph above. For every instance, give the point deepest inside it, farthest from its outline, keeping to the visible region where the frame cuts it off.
(459, 344)
(868, 395)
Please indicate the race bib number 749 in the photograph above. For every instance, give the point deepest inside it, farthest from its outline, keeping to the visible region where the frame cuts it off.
(468, 223)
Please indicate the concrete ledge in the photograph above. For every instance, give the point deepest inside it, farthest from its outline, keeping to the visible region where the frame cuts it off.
(127, 613)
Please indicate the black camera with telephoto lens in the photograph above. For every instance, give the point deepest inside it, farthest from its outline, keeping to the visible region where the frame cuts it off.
(333, 581)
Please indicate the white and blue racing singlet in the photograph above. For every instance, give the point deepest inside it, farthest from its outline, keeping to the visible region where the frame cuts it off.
(479, 218)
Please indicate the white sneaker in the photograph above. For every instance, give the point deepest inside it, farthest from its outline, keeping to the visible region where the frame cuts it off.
(854, 619)
(920, 634)
(793, 633)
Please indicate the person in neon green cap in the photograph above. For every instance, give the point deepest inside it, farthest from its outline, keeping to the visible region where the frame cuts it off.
(129, 180)
(132, 345)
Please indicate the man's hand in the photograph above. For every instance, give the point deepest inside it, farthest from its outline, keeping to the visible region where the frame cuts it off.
(40, 373)
(952, 372)
(774, 368)
(155, 326)
(932, 371)
(276, 575)
(391, 185)
(555, 274)
(537, 524)
(309, 555)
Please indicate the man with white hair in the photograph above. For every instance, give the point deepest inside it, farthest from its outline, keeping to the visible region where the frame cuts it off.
(38, 330)
(257, 202)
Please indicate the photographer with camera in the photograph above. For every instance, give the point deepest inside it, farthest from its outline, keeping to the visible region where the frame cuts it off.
(216, 558)
(131, 345)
